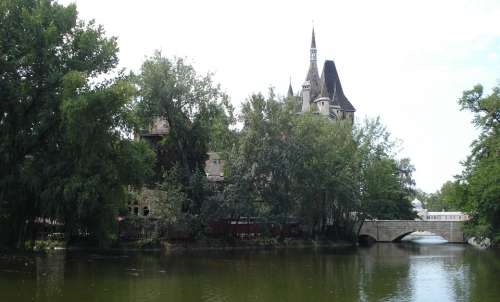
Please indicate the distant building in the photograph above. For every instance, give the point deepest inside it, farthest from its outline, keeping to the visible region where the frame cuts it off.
(423, 214)
(324, 95)
(447, 216)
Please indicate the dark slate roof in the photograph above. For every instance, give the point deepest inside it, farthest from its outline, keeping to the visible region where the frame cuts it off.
(331, 87)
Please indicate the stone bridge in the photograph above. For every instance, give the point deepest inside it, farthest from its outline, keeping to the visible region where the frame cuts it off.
(395, 230)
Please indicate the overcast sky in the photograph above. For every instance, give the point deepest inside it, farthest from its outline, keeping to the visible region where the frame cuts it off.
(405, 61)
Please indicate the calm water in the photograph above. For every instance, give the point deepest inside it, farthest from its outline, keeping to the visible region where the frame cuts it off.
(383, 272)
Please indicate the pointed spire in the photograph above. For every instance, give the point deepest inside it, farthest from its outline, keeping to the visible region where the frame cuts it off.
(312, 74)
(313, 40)
(290, 90)
(313, 51)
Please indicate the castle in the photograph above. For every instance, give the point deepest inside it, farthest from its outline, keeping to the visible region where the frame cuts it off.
(323, 95)
(319, 95)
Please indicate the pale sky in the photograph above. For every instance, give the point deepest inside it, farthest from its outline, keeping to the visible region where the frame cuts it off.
(405, 61)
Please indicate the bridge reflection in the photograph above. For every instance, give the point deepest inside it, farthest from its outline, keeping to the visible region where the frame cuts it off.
(424, 238)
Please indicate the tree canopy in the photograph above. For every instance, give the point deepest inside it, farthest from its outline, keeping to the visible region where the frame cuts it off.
(478, 187)
(65, 155)
(197, 113)
(321, 172)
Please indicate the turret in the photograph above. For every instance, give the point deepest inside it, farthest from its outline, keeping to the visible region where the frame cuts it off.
(323, 104)
(306, 97)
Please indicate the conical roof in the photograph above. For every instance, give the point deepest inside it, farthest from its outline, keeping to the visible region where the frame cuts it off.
(332, 88)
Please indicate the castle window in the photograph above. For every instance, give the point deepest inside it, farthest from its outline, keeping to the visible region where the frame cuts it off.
(145, 211)
(136, 211)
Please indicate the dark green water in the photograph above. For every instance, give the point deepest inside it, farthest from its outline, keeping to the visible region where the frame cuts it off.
(383, 272)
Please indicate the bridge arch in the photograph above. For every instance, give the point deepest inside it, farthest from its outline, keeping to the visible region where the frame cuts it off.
(396, 237)
(400, 237)
(395, 230)
(366, 239)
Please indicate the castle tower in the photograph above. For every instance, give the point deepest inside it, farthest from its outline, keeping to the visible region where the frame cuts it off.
(313, 74)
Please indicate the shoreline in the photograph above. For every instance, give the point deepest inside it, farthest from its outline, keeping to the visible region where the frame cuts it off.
(173, 247)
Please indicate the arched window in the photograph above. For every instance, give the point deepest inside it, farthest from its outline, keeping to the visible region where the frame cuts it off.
(145, 211)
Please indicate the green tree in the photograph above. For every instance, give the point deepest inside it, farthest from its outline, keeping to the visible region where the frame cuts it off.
(308, 167)
(64, 149)
(198, 117)
(192, 107)
(479, 184)
(327, 177)
(262, 159)
(387, 185)
(446, 198)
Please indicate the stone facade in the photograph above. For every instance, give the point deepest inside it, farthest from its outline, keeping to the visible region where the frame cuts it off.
(144, 204)
(214, 167)
(157, 128)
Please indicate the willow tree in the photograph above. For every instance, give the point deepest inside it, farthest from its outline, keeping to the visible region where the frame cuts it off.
(64, 152)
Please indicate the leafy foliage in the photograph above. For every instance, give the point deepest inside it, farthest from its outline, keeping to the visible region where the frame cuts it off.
(196, 111)
(64, 151)
(478, 188)
(198, 117)
(288, 166)
(386, 183)
(444, 199)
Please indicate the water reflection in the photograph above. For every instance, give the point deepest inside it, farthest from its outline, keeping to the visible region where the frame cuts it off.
(414, 272)
(424, 238)
(382, 272)
(49, 276)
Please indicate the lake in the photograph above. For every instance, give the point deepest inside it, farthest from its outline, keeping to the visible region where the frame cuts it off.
(382, 272)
